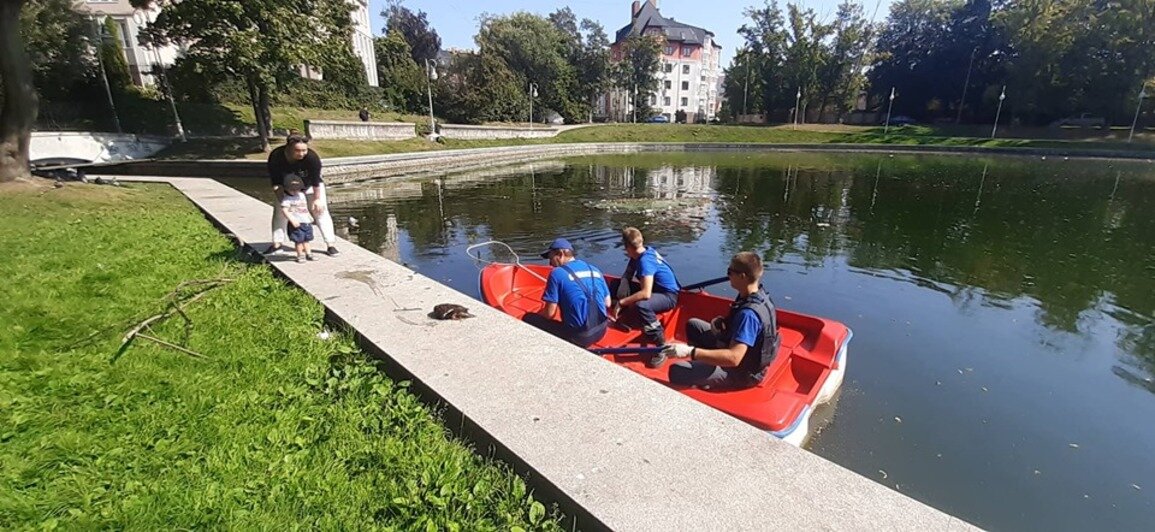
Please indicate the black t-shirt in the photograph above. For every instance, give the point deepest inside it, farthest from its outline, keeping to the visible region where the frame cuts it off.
(307, 169)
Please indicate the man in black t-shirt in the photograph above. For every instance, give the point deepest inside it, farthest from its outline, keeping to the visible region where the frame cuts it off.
(296, 159)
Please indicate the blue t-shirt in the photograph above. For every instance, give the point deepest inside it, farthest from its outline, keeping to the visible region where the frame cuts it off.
(563, 289)
(652, 263)
(747, 327)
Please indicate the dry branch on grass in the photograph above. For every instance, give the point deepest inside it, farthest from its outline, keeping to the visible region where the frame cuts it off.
(176, 300)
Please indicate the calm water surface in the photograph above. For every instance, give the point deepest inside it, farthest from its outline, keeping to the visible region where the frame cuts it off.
(1003, 364)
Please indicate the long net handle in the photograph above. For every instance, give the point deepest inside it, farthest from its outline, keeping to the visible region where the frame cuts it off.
(516, 257)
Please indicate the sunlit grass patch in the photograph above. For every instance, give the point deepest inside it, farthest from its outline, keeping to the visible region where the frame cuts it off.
(273, 429)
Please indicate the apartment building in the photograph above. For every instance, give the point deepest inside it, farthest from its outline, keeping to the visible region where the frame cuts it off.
(689, 72)
(132, 21)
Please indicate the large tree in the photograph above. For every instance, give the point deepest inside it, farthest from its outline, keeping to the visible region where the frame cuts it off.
(403, 79)
(424, 43)
(537, 52)
(262, 42)
(636, 71)
(18, 101)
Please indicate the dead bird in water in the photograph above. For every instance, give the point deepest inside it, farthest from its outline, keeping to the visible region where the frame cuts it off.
(449, 311)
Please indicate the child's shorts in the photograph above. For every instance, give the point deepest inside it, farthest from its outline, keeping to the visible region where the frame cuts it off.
(302, 234)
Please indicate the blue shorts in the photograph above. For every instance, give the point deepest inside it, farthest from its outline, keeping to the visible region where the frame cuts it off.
(302, 234)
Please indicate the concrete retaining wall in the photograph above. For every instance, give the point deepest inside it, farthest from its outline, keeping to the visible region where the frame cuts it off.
(93, 146)
(333, 129)
(348, 169)
(460, 132)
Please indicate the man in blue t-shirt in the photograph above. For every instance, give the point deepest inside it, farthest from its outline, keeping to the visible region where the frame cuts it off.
(731, 352)
(653, 285)
(579, 290)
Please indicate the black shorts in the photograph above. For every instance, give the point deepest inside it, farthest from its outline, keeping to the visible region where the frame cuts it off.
(301, 234)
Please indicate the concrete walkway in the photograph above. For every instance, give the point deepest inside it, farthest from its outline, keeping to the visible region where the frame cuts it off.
(616, 451)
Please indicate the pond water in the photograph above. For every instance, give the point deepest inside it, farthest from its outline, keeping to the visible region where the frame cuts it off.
(1003, 364)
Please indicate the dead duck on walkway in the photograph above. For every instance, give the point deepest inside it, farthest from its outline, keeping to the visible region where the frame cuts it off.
(450, 311)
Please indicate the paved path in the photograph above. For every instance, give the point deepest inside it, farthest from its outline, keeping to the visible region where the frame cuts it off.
(615, 450)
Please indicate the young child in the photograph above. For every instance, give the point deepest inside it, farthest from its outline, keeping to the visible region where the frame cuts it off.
(296, 209)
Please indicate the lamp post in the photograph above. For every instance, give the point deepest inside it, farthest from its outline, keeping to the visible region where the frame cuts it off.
(1138, 107)
(104, 75)
(962, 102)
(634, 104)
(431, 76)
(1002, 96)
(141, 18)
(797, 107)
(746, 87)
(889, 108)
(533, 94)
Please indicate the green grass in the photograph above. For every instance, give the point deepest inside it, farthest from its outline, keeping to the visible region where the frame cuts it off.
(239, 148)
(275, 429)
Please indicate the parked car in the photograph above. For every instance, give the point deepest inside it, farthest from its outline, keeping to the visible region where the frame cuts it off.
(658, 119)
(1083, 120)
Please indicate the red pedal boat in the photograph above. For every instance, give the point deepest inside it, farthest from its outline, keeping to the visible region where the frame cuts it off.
(807, 372)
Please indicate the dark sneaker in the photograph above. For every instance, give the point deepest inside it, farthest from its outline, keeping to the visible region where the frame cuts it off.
(656, 360)
(309, 256)
(272, 249)
(332, 251)
(654, 336)
(300, 258)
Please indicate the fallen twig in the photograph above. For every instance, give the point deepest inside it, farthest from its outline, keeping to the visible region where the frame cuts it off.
(175, 306)
(170, 345)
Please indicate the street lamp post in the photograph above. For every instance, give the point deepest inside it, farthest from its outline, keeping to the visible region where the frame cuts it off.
(532, 95)
(746, 87)
(962, 102)
(104, 75)
(1138, 107)
(431, 76)
(1002, 96)
(889, 108)
(797, 107)
(158, 65)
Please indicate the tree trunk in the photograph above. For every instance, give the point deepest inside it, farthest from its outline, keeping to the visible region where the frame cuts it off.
(266, 110)
(18, 111)
(258, 113)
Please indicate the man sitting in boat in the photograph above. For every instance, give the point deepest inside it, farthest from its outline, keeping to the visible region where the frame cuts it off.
(652, 281)
(579, 290)
(732, 352)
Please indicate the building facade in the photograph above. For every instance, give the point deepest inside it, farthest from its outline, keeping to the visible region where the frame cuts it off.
(132, 21)
(688, 80)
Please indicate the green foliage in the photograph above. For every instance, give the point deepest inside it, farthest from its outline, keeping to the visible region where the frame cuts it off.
(402, 79)
(274, 429)
(424, 43)
(638, 69)
(112, 56)
(56, 38)
(476, 88)
(535, 51)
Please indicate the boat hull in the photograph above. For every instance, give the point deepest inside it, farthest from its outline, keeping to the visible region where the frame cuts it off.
(807, 371)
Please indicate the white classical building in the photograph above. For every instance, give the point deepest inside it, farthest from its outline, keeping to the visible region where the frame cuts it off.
(690, 67)
(141, 58)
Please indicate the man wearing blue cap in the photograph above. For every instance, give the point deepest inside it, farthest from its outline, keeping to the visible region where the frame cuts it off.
(579, 290)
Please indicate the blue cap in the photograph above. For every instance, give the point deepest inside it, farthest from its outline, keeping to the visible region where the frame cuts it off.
(560, 243)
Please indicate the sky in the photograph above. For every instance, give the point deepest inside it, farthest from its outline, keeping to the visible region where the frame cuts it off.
(456, 20)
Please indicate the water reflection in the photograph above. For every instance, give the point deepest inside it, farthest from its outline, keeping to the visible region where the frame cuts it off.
(1004, 308)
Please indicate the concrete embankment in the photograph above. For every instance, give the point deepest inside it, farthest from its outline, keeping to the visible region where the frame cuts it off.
(345, 169)
(614, 450)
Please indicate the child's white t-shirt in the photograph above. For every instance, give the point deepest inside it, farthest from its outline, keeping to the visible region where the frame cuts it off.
(298, 207)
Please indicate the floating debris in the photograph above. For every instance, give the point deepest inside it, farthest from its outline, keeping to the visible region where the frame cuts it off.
(985, 389)
(897, 419)
(1073, 445)
(1037, 472)
(884, 475)
(324, 335)
(1137, 487)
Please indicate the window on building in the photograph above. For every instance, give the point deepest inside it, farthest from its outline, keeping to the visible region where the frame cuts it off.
(669, 49)
(685, 102)
(667, 83)
(685, 85)
(687, 51)
(666, 101)
(669, 67)
(686, 69)
(125, 39)
(653, 100)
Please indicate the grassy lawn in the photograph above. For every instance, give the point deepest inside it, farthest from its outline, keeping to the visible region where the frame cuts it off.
(273, 429)
(239, 148)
